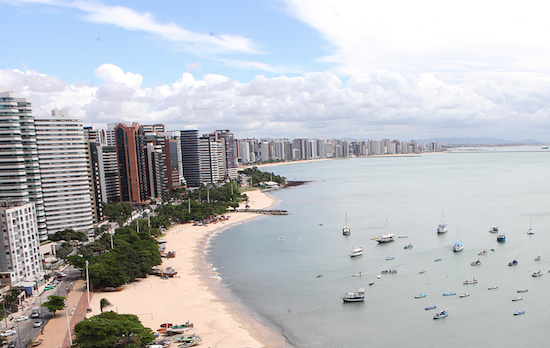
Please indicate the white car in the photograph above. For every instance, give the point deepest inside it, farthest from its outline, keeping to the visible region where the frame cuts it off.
(22, 318)
(37, 323)
(8, 333)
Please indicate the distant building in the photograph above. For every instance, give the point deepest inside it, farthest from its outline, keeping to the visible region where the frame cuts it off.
(190, 157)
(108, 173)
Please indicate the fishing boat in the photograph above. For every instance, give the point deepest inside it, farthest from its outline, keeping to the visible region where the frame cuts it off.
(476, 263)
(501, 238)
(386, 238)
(514, 262)
(360, 274)
(356, 252)
(437, 260)
(519, 298)
(442, 314)
(430, 307)
(493, 230)
(473, 281)
(449, 294)
(464, 295)
(371, 283)
(422, 271)
(420, 296)
(519, 312)
(483, 252)
(358, 296)
(522, 290)
(537, 273)
(442, 227)
(320, 275)
(389, 258)
(169, 272)
(188, 341)
(492, 287)
(537, 258)
(346, 230)
(408, 246)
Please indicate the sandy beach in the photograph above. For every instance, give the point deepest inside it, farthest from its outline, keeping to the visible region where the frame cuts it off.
(190, 295)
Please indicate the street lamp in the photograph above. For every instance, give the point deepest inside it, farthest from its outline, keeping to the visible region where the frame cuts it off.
(87, 286)
(19, 335)
(68, 322)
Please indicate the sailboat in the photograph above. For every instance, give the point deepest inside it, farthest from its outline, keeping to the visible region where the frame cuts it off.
(346, 230)
(530, 231)
(514, 262)
(442, 228)
(458, 246)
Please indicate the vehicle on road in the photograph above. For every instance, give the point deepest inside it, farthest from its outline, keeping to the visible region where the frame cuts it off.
(8, 333)
(21, 318)
(37, 323)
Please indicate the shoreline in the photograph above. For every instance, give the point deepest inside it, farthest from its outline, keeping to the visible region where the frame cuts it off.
(196, 292)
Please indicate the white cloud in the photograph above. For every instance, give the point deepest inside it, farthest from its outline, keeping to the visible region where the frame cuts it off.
(383, 104)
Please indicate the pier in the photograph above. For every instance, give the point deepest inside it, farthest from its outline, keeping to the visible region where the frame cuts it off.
(262, 211)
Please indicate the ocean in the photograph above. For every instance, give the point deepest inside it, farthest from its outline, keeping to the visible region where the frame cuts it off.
(270, 265)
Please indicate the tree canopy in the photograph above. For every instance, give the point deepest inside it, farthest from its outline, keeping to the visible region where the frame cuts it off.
(110, 329)
(54, 303)
(259, 176)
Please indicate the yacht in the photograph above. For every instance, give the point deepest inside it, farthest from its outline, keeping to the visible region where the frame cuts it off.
(346, 230)
(473, 281)
(501, 237)
(386, 238)
(458, 246)
(356, 252)
(358, 296)
(538, 273)
(442, 228)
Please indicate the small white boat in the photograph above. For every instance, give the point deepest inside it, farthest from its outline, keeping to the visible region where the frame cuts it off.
(360, 274)
(357, 296)
(422, 271)
(537, 258)
(356, 252)
(442, 314)
(346, 231)
(458, 246)
(386, 238)
(442, 227)
(389, 258)
(530, 230)
(371, 283)
(493, 230)
(522, 290)
(537, 273)
(420, 296)
(473, 281)
(492, 287)
(476, 263)
(519, 298)
(464, 295)
(408, 246)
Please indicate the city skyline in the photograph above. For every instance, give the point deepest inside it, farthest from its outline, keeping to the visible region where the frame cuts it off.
(291, 68)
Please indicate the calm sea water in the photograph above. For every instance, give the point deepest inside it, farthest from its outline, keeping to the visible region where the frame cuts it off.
(270, 264)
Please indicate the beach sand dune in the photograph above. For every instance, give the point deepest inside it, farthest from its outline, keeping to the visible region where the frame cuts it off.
(190, 295)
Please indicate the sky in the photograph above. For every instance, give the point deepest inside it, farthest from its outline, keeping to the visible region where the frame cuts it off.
(287, 68)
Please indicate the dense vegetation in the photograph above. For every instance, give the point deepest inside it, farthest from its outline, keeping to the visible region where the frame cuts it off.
(69, 235)
(119, 212)
(258, 176)
(110, 329)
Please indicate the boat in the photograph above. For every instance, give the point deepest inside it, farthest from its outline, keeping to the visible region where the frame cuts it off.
(346, 231)
(514, 262)
(371, 283)
(437, 260)
(320, 275)
(458, 246)
(389, 258)
(473, 281)
(405, 236)
(442, 314)
(36, 343)
(537, 258)
(442, 227)
(519, 298)
(537, 273)
(476, 263)
(492, 287)
(420, 296)
(169, 272)
(188, 341)
(408, 246)
(430, 307)
(522, 290)
(389, 271)
(360, 274)
(544, 147)
(493, 230)
(530, 230)
(483, 252)
(356, 252)
(422, 271)
(519, 312)
(358, 296)
(386, 238)
(449, 294)
(187, 324)
(501, 238)
(464, 295)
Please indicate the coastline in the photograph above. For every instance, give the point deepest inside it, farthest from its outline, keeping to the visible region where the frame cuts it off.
(195, 293)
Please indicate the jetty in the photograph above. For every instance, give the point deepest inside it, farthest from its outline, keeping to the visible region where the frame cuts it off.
(261, 211)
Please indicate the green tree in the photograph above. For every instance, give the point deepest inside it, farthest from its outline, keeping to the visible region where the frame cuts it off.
(55, 303)
(104, 303)
(110, 329)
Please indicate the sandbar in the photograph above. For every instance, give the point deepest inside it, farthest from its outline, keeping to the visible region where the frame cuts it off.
(190, 294)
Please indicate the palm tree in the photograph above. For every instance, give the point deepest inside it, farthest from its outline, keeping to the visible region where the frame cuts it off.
(103, 303)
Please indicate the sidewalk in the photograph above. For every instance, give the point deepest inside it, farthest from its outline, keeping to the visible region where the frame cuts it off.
(55, 333)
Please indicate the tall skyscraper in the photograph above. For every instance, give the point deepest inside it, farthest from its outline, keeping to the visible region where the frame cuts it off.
(19, 167)
(229, 152)
(64, 172)
(190, 157)
(108, 173)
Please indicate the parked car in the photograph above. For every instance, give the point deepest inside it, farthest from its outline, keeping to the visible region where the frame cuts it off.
(49, 287)
(22, 318)
(8, 333)
(37, 323)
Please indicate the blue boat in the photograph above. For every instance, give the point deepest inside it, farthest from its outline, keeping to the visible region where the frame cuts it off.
(441, 314)
(437, 260)
(420, 296)
(389, 258)
(320, 275)
(519, 312)
(430, 307)
(458, 246)
(449, 294)
(501, 238)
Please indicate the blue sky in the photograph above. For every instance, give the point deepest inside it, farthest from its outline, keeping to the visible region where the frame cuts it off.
(288, 68)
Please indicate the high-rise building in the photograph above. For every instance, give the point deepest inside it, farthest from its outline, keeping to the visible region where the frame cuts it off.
(156, 170)
(211, 160)
(92, 152)
(19, 167)
(20, 242)
(64, 172)
(132, 165)
(190, 157)
(229, 152)
(108, 174)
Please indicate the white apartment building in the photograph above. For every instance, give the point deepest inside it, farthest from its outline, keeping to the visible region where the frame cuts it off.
(20, 242)
(64, 172)
(210, 160)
